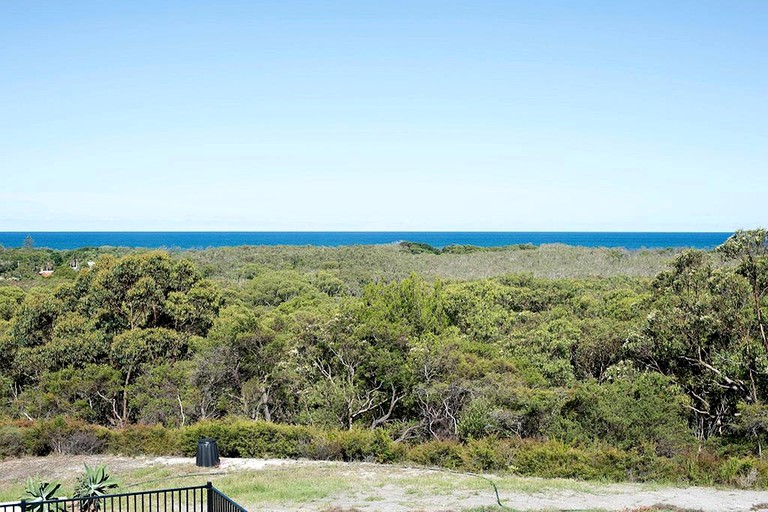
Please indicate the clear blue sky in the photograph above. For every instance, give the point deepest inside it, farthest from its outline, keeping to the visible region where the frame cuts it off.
(384, 115)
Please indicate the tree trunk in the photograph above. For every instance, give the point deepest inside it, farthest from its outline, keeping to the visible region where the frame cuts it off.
(124, 418)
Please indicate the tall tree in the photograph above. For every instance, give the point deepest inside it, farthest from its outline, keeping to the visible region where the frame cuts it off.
(750, 249)
(698, 331)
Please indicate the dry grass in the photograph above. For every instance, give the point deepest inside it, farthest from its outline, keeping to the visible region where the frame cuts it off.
(357, 487)
(387, 262)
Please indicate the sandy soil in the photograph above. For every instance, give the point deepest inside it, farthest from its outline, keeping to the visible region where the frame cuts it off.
(394, 498)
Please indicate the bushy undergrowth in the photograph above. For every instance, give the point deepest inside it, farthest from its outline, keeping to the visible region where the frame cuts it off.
(244, 438)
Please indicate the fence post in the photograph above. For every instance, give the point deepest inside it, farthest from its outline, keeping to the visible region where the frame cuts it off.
(208, 486)
(23, 504)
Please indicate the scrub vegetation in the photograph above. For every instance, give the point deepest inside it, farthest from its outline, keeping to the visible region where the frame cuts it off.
(552, 361)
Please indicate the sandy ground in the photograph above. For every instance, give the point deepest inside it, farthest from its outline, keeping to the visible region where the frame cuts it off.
(394, 498)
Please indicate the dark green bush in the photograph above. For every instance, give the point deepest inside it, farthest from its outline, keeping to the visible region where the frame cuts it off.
(60, 435)
(243, 438)
(385, 450)
(364, 445)
(145, 440)
(446, 454)
(489, 454)
(740, 472)
(648, 466)
(352, 444)
(552, 459)
(647, 408)
(699, 466)
(11, 441)
(418, 248)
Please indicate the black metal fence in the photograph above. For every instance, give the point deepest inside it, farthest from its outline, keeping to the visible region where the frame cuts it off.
(201, 498)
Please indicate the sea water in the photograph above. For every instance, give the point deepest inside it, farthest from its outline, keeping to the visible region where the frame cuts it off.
(203, 239)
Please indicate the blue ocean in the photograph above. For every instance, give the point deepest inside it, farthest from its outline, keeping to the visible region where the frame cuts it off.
(204, 239)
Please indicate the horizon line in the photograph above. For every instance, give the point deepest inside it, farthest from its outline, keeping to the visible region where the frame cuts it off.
(365, 231)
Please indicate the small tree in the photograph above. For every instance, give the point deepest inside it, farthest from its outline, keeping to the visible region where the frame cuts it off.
(750, 249)
(698, 331)
(753, 422)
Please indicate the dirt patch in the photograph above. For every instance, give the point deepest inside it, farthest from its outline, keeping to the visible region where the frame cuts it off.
(63, 467)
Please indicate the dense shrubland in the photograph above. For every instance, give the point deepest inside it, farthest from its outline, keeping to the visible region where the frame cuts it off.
(643, 365)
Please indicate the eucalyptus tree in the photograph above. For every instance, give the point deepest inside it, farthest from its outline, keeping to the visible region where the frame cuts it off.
(750, 250)
(700, 331)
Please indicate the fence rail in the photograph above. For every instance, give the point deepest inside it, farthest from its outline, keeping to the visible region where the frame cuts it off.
(202, 498)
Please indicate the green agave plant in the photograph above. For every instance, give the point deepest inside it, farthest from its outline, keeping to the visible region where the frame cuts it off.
(40, 492)
(93, 485)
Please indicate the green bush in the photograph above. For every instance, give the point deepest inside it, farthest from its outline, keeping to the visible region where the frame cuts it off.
(365, 445)
(446, 454)
(243, 438)
(145, 440)
(384, 450)
(648, 466)
(355, 444)
(647, 408)
(418, 248)
(475, 421)
(60, 435)
(489, 454)
(11, 441)
(552, 459)
(555, 459)
(699, 466)
(743, 472)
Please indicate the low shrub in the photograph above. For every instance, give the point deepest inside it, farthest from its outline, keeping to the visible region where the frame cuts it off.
(699, 465)
(738, 472)
(243, 438)
(11, 441)
(446, 454)
(246, 438)
(145, 440)
(60, 435)
(362, 445)
(489, 454)
(552, 459)
(648, 465)
(349, 445)
(385, 450)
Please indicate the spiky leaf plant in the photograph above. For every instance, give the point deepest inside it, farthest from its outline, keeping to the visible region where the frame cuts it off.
(41, 492)
(93, 485)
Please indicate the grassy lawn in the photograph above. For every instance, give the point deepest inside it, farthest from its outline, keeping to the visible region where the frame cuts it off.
(273, 484)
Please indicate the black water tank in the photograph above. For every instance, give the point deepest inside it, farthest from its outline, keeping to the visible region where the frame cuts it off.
(207, 453)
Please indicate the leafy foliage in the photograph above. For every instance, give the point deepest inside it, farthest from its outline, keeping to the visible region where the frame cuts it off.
(41, 492)
(94, 484)
(348, 351)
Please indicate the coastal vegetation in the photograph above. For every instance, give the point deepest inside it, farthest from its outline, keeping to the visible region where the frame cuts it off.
(553, 361)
